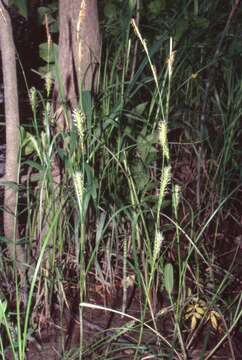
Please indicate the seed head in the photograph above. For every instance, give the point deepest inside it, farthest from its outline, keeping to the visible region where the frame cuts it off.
(157, 244)
(79, 185)
(164, 181)
(162, 127)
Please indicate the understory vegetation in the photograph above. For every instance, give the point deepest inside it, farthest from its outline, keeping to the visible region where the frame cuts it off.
(130, 216)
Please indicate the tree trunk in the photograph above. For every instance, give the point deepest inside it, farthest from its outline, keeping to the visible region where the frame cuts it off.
(12, 137)
(79, 48)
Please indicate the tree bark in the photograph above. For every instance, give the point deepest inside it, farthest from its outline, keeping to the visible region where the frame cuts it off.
(79, 48)
(12, 138)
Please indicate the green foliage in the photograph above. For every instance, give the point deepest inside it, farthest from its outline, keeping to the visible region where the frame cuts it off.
(169, 278)
(141, 174)
(98, 199)
(146, 146)
(3, 308)
(110, 10)
(48, 53)
(117, 18)
(22, 7)
(49, 12)
(155, 7)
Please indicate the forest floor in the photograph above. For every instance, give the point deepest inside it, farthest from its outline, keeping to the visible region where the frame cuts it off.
(59, 329)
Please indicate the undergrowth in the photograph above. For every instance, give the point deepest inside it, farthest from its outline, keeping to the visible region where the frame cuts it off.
(130, 202)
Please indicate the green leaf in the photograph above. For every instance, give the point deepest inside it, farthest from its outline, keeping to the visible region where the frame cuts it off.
(86, 103)
(132, 4)
(141, 175)
(145, 145)
(47, 70)
(29, 149)
(3, 308)
(235, 47)
(54, 27)
(22, 7)
(140, 108)
(169, 278)
(90, 182)
(200, 22)
(110, 10)
(53, 6)
(51, 12)
(47, 53)
(181, 27)
(44, 10)
(33, 165)
(156, 6)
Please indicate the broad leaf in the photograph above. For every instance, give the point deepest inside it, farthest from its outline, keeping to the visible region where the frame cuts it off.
(48, 53)
(22, 7)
